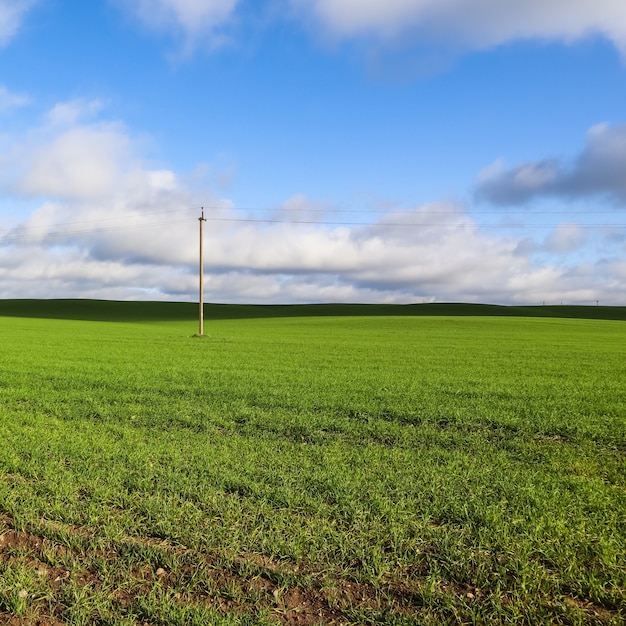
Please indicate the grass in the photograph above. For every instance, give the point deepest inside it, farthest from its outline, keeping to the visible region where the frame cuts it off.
(312, 465)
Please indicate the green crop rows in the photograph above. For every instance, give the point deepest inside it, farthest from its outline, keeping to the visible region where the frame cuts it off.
(300, 466)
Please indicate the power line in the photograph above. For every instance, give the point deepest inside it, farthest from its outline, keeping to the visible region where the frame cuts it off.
(72, 233)
(108, 219)
(90, 231)
(371, 212)
(418, 211)
(408, 225)
(10, 238)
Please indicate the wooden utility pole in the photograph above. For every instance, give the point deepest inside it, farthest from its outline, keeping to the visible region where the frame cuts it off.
(201, 312)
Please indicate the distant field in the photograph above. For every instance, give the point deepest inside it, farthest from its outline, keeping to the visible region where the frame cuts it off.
(107, 310)
(428, 464)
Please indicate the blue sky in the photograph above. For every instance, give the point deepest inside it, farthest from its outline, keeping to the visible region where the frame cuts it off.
(344, 150)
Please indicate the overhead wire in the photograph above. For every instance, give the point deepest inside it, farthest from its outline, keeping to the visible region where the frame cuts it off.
(405, 224)
(63, 230)
(130, 216)
(372, 212)
(90, 231)
(420, 211)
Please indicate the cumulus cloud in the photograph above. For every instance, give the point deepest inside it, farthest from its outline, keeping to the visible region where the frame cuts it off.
(565, 237)
(597, 170)
(12, 13)
(475, 24)
(560, 240)
(74, 155)
(80, 163)
(10, 100)
(73, 111)
(106, 226)
(430, 254)
(190, 18)
(442, 28)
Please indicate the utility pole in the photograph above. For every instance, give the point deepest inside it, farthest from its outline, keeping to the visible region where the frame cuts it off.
(201, 298)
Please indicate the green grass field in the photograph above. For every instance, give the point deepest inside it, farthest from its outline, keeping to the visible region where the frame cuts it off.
(433, 464)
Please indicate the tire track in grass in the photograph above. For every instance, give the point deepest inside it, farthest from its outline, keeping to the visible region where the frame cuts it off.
(192, 580)
(159, 574)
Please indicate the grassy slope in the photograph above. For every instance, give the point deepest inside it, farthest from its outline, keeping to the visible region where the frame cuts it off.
(382, 469)
(107, 310)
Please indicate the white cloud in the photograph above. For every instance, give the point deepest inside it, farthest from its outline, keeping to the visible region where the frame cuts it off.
(477, 24)
(12, 13)
(108, 227)
(72, 155)
(565, 238)
(10, 100)
(82, 162)
(73, 111)
(444, 257)
(445, 24)
(192, 19)
(355, 17)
